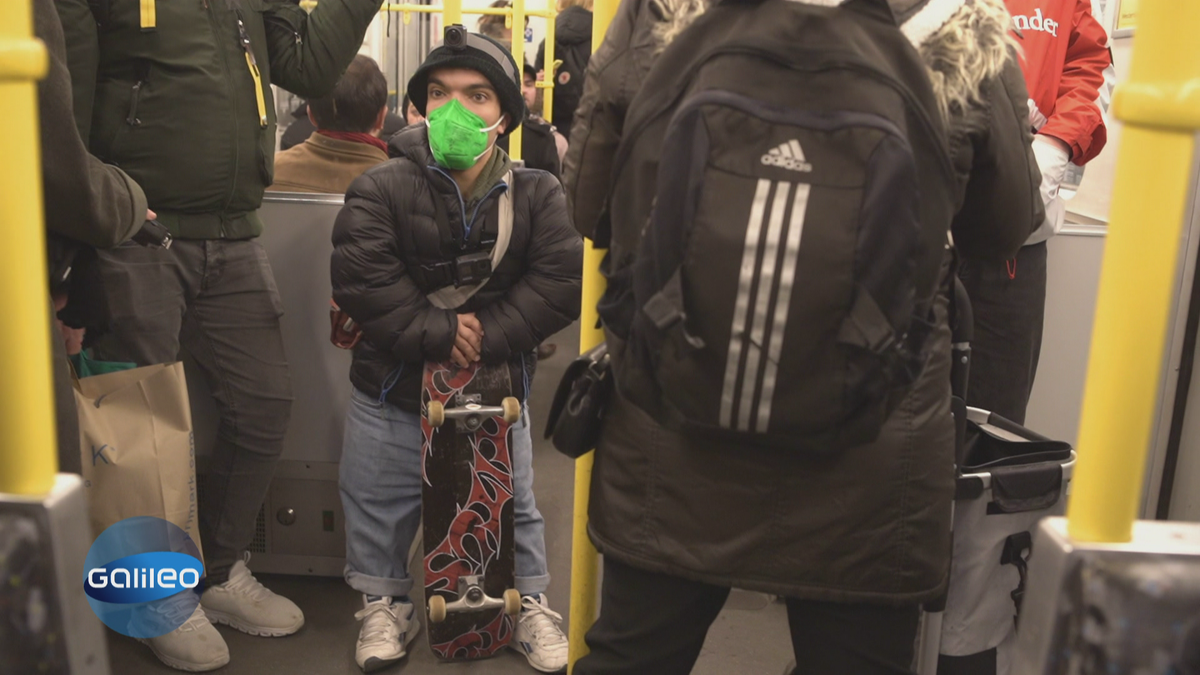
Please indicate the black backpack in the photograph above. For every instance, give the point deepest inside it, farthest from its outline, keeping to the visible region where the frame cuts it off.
(790, 168)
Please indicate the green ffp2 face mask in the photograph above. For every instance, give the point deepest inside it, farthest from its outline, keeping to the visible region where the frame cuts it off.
(457, 136)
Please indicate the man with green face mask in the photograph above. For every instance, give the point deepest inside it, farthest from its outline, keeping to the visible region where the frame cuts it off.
(450, 193)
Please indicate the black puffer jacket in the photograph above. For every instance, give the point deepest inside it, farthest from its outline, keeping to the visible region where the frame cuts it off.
(388, 227)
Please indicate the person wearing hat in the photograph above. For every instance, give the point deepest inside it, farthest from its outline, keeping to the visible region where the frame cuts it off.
(394, 274)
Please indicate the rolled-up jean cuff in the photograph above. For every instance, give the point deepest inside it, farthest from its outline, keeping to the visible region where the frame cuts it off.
(369, 585)
(532, 585)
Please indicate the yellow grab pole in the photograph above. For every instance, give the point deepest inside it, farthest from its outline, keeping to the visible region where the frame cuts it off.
(585, 567)
(28, 455)
(547, 64)
(452, 12)
(1160, 106)
(516, 138)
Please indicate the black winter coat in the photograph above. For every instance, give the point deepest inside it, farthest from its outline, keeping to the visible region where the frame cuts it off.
(388, 227)
(872, 524)
(572, 46)
(538, 148)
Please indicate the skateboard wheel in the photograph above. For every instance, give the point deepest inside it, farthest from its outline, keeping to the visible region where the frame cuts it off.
(512, 409)
(435, 412)
(437, 609)
(512, 602)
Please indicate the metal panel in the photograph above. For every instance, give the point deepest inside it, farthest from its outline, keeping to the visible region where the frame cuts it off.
(303, 513)
(1073, 277)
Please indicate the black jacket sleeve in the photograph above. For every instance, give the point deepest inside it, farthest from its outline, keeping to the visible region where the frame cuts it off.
(371, 283)
(1001, 205)
(614, 74)
(82, 56)
(310, 51)
(547, 297)
(85, 199)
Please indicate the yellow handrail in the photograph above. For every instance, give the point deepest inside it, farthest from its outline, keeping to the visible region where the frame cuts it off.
(547, 83)
(516, 138)
(28, 459)
(585, 567)
(1160, 106)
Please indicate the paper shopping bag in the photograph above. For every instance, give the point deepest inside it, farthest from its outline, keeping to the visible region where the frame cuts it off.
(139, 458)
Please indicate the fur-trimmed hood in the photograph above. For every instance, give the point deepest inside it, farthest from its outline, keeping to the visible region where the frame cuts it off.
(963, 42)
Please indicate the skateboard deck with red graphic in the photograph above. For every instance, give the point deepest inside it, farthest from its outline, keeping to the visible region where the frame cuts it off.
(467, 509)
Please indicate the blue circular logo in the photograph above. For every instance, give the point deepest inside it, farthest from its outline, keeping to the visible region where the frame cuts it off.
(141, 576)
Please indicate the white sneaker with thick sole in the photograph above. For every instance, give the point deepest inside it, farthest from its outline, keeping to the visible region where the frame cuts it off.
(246, 605)
(539, 636)
(195, 646)
(387, 629)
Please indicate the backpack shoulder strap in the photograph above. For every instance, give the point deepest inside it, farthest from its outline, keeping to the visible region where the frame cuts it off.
(876, 9)
(879, 10)
(100, 10)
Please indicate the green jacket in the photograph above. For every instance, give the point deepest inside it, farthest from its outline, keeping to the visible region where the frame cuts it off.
(176, 105)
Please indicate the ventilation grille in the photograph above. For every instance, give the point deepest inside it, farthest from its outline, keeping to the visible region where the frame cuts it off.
(259, 543)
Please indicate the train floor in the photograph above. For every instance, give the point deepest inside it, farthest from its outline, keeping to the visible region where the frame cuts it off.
(750, 636)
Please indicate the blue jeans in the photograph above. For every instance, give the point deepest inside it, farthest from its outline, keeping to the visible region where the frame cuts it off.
(380, 484)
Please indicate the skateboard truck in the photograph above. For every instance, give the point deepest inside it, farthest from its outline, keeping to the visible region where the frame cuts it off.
(470, 413)
(472, 598)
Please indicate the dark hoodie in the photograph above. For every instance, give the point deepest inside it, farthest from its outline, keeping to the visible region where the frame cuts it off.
(573, 45)
(388, 228)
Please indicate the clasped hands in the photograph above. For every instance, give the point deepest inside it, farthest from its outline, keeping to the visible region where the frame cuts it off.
(468, 341)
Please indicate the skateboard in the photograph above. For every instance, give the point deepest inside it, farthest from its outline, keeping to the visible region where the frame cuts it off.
(467, 509)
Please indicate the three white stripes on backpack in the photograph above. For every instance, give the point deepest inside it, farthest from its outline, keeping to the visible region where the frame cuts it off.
(759, 282)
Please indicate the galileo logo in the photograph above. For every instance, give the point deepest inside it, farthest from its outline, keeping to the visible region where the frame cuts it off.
(140, 577)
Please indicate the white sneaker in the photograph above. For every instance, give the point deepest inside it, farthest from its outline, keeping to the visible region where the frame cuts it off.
(386, 631)
(539, 637)
(246, 605)
(195, 646)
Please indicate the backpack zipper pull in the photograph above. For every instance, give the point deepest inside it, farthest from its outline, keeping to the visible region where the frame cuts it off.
(252, 65)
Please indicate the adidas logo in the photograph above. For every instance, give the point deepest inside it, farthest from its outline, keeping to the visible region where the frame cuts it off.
(788, 156)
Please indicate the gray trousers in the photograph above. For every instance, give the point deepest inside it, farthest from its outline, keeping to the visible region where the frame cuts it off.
(218, 300)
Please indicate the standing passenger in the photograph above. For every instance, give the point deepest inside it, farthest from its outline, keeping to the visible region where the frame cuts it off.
(855, 541)
(86, 203)
(178, 94)
(1068, 71)
(390, 254)
(572, 46)
(348, 123)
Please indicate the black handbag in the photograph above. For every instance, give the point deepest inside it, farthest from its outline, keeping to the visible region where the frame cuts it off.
(578, 408)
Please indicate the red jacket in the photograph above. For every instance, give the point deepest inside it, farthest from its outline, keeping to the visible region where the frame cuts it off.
(1065, 60)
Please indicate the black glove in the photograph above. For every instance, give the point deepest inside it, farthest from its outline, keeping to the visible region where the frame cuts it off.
(153, 235)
